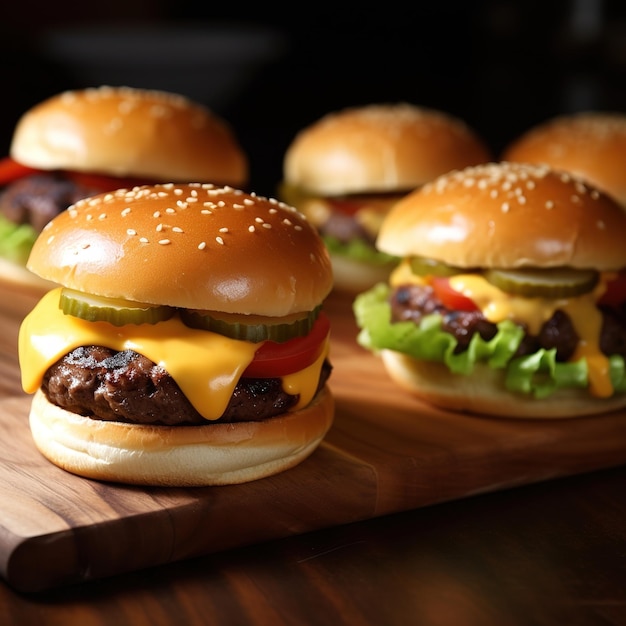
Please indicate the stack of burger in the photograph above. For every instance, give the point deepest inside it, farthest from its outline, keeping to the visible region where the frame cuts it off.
(510, 299)
(347, 169)
(186, 343)
(79, 143)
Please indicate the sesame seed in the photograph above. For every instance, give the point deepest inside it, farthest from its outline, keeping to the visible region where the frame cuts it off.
(258, 220)
(238, 206)
(266, 225)
(206, 212)
(159, 228)
(50, 239)
(177, 229)
(223, 230)
(505, 207)
(549, 204)
(180, 204)
(298, 227)
(143, 240)
(164, 242)
(131, 232)
(249, 202)
(219, 240)
(287, 222)
(202, 245)
(126, 211)
(102, 216)
(156, 214)
(251, 229)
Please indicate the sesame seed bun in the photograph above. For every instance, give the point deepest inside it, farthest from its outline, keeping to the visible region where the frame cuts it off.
(508, 215)
(215, 454)
(379, 148)
(591, 145)
(126, 132)
(194, 246)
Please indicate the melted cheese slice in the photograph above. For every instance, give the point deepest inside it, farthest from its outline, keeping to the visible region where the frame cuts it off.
(496, 306)
(205, 365)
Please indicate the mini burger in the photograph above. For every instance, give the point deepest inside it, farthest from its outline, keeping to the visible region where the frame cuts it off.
(510, 299)
(346, 170)
(186, 343)
(591, 145)
(80, 143)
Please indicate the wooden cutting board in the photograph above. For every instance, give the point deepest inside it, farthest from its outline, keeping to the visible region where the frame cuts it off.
(386, 452)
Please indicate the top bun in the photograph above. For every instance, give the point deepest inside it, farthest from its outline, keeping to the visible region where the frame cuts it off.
(590, 144)
(194, 246)
(130, 133)
(379, 148)
(508, 215)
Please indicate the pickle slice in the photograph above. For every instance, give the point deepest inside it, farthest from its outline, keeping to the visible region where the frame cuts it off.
(423, 266)
(254, 328)
(116, 311)
(556, 282)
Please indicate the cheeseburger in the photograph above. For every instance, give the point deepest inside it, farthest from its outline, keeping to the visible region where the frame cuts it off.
(510, 299)
(80, 143)
(346, 170)
(186, 343)
(591, 145)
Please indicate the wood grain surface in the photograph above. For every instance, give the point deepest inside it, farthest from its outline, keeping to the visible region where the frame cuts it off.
(386, 452)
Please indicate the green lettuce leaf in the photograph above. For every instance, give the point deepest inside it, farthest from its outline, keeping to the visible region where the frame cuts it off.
(16, 241)
(358, 250)
(538, 374)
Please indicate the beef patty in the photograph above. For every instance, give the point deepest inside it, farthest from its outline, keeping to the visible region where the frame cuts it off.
(412, 302)
(36, 199)
(127, 387)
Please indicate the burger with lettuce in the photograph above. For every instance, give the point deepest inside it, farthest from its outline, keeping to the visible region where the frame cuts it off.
(510, 299)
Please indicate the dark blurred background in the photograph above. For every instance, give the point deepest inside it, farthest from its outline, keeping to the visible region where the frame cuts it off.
(502, 66)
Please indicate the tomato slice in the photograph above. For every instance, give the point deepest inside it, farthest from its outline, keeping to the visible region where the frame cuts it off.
(11, 170)
(347, 207)
(274, 359)
(450, 298)
(615, 293)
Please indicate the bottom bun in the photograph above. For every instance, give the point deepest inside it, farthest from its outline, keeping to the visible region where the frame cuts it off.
(483, 392)
(351, 275)
(181, 456)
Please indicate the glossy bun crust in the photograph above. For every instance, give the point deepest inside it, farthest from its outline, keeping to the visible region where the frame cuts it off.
(508, 215)
(215, 454)
(591, 145)
(379, 148)
(189, 245)
(483, 392)
(135, 133)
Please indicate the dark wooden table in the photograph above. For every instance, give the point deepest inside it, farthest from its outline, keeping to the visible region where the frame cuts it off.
(538, 549)
(552, 553)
